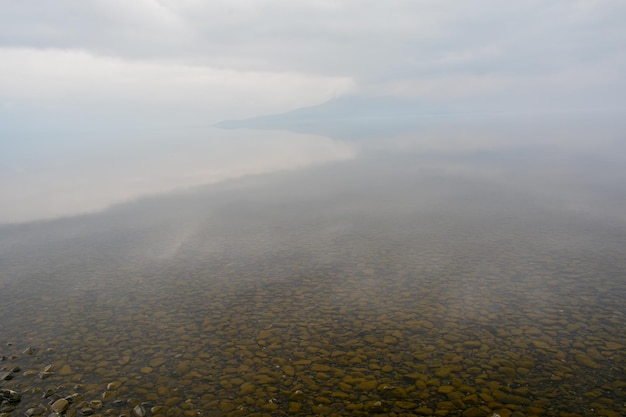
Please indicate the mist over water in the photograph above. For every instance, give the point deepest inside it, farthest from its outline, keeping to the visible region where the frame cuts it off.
(475, 263)
(88, 172)
(313, 208)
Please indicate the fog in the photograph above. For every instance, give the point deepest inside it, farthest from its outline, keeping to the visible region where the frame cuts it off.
(88, 88)
(261, 207)
(43, 182)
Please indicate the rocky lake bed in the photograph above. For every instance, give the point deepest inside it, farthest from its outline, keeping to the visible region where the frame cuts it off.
(364, 288)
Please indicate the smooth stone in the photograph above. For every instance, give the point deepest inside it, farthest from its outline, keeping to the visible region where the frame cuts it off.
(97, 404)
(35, 411)
(226, 406)
(107, 395)
(298, 396)
(320, 409)
(586, 361)
(367, 385)
(173, 400)
(471, 399)
(374, 406)
(294, 407)
(392, 391)
(59, 405)
(155, 363)
(443, 372)
(289, 370)
(614, 346)
(47, 393)
(73, 398)
(474, 412)
(407, 405)
(446, 405)
(270, 407)
(65, 370)
(320, 368)
(536, 411)
(264, 379)
(146, 370)
(264, 334)
(608, 413)
(138, 411)
(510, 398)
(486, 397)
(10, 395)
(322, 400)
(247, 388)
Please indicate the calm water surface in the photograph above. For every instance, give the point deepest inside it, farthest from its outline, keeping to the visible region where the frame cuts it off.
(470, 268)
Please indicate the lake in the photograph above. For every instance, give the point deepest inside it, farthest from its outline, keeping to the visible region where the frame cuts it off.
(470, 266)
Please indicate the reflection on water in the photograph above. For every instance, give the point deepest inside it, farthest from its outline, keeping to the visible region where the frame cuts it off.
(417, 279)
(89, 174)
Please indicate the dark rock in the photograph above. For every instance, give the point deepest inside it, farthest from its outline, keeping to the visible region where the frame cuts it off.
(86, 411)
(7, 395)
(36, 411)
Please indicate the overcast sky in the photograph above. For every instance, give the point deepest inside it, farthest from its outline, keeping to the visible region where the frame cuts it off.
(80, 80)
(154, 62)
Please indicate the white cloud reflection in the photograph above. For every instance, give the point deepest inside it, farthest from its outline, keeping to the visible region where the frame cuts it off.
(63, 183)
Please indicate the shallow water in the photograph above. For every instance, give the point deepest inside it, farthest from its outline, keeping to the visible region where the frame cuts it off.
(466, 269)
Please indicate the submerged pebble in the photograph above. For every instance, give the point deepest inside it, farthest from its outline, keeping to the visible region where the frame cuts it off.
(409, 324)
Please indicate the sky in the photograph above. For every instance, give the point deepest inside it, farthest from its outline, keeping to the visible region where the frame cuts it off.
(76, 74)
(184, 62)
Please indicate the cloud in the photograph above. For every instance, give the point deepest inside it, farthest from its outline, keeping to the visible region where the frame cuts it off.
(480, 46)
(53, 80)
(241, 58)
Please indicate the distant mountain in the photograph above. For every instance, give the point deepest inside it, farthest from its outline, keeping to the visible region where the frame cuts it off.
(350, 117)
